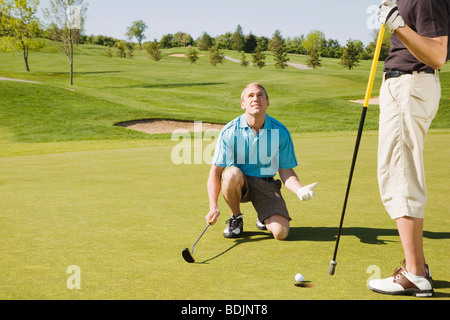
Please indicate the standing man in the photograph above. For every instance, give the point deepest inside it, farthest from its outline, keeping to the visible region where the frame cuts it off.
(409, 101)
(253, 148)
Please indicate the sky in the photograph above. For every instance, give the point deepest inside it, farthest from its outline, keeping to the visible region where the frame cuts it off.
(337, 19)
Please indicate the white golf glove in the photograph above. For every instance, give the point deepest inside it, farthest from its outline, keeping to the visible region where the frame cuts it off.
(389, 16)
(306, 193)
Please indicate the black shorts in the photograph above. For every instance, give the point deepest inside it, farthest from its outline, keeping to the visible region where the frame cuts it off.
(265, 195)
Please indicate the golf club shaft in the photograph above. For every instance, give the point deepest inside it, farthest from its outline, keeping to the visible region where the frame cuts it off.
(209, 224)
(352, 170)
(373, 71)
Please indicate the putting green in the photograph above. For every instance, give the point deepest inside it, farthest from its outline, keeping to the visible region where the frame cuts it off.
(123, 212)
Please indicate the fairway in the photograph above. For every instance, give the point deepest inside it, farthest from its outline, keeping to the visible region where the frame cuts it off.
(78, 191)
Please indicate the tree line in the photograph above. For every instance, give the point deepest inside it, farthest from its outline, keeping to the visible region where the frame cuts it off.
(21, 30)
(314, 44)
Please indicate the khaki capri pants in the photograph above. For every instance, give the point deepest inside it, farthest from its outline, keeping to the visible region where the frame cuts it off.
(408, 104)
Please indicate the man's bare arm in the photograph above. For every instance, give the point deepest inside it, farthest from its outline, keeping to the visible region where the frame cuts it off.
(213, 187)
(430, 51)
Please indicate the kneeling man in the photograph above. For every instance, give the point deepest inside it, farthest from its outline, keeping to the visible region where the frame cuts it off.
(250, 151)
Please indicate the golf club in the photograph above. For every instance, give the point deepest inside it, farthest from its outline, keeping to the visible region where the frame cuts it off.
(188, 254)
(373, 71)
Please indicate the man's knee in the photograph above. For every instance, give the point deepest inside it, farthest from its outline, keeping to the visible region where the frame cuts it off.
(278, 226)
(232, 177)
(281, 234)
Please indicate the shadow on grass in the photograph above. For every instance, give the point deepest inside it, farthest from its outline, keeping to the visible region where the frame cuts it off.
(169, 85)
(441, 284)
(250, 236)
(78, 72)
(365, 235)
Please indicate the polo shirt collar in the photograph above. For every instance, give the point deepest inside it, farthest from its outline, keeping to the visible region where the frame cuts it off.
(267, 124)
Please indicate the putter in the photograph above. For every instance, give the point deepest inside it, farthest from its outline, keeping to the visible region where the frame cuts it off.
(188, 255)
(373, 71)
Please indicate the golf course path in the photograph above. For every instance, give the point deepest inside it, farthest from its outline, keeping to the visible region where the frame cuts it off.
(299, 66)
(18, 80)
(295, 65)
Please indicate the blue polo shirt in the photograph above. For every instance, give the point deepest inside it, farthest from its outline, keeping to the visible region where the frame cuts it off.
(257, 156)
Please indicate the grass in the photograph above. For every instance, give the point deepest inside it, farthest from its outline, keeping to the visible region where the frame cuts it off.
(121, 215)
(113, 90)
(76, 190)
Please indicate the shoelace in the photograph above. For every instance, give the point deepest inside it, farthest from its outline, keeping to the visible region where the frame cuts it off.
(399, 272)
(233, 222)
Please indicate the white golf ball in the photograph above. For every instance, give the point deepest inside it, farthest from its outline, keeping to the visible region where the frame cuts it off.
(299, 277)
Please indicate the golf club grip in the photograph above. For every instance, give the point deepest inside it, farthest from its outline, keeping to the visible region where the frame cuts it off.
(373, 70)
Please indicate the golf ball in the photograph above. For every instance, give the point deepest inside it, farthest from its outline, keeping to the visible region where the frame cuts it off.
(299, 277)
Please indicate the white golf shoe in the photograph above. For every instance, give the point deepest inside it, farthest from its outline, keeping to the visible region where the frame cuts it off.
(402, 283)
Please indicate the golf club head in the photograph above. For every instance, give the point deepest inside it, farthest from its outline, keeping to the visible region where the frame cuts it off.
(188, 256)
(332, 267)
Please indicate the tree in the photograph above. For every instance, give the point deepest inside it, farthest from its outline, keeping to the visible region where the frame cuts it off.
(238, 39)
(19, 25)
(351, 53)
(129, 46)
(276, 42)
(205, 42)
(259, 58)
(182, 39)
(314, 41)
(192, 55)
(331, 49)
(262, 43)
(251, 43)
(281, 58)
(244, 61)
(153, 50)
(313, 60)
(109, 52)
(166, 41)
(295, 45)
(385, 47)
(66, 21)
(137, 30)
(216, 56)
(121, 47)
(224, 41)
(312, 44)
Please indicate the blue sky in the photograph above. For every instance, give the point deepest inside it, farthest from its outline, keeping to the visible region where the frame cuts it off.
(337, 19)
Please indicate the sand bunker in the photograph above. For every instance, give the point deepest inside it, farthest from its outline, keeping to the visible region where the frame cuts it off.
(374, 101)
(157, 126)
(182, 55)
